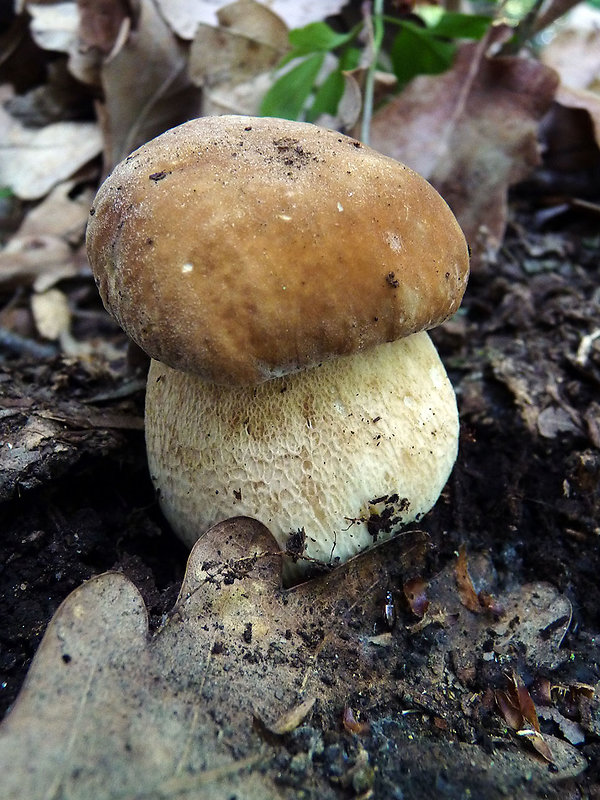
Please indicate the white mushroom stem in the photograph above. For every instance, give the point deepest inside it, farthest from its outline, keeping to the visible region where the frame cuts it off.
(338, 457)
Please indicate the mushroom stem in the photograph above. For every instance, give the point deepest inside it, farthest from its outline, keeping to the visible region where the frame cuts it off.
(332, 459)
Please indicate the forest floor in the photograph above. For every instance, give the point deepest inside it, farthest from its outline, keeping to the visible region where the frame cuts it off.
(523, 500)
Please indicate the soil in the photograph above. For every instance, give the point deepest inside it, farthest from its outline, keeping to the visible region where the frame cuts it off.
(77, 501)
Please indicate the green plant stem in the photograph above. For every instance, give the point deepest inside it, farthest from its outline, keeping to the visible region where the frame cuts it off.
(377, 22)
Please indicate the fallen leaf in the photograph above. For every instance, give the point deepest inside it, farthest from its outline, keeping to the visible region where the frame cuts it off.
(539, 743)
(256, 21)
(63, 213)
(110, 710)
(34, 160)
(353, 725)
(464, 584)
(185, 16)
(583, 100)
(51, 313)
(519, 712)
(28, 259)
(133, 110)
(415, 592)
(571, 730)
(233, 62)
(573, 49)
(290, 720)
(525, 703)
(472, 132)
(53, 26)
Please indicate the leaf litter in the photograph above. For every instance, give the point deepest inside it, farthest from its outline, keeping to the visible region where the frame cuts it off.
(193, 706)
(426, 687)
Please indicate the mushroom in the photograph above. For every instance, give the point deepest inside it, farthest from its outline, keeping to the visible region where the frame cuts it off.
(282, 276)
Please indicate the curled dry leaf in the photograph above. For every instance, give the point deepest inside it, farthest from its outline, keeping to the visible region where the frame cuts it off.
(474, 601)
(233, 62)
(290, 720)
(133, 110)
(352, 724)
(518, 709)
(415, 592)
(256, 21)
(472, 132)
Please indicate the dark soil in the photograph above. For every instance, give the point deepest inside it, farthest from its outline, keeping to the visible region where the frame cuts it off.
(77, 501)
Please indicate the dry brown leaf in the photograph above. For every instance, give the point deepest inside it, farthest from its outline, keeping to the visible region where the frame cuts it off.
(185, 16)
(220, 56)
(28, 259)
(509, 709)
(109, 710)
(472, 132)
(584, 100)
(466, 590)
(290, 720)
(539, 743)
(34, 160)
(234, 61)
(53, 26)
(41, 251)
(573, 49)
(62, 213)
(51, 313)
(352, 724)
(415, 592)
(254, 20)
(519, 712)
(145, 83)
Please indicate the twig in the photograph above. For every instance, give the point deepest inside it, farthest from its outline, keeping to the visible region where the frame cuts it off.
(21, 346)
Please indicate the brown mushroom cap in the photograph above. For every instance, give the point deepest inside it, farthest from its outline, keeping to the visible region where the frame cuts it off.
(242, 249)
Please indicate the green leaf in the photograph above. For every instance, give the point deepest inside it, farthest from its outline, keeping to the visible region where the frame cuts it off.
(350, 58)
(318, 37)
(288, 95)
(327, 96)
(5, 192)
(416, 51)
(330, 92)
(461, 26)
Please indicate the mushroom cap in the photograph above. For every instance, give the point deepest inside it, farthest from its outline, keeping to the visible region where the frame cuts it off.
(333, 460)
(243, 248)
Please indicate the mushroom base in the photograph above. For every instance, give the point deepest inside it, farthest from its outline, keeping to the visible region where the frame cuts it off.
(333, 460)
